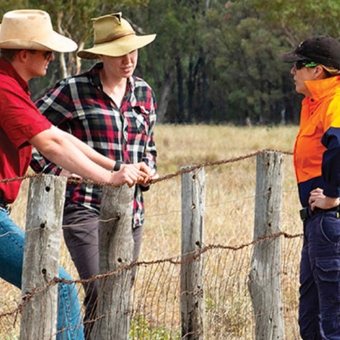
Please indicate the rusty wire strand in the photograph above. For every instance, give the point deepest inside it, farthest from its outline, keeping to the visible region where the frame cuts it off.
(173, 260)
(160, 179)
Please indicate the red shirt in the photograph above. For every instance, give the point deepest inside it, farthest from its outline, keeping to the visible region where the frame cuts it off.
(19, 122)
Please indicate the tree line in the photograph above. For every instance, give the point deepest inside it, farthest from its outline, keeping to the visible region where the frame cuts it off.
(213, 61)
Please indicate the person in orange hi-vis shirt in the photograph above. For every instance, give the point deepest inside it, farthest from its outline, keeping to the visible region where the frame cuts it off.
(316, 72)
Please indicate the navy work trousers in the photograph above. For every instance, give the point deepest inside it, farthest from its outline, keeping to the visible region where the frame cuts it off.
(319, 310)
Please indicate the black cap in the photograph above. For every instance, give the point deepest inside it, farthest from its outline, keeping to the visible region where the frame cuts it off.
(323, 50)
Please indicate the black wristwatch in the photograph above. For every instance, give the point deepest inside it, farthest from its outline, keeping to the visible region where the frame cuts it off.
(117, 165)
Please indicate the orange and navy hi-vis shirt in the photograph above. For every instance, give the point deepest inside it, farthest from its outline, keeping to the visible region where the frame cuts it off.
(317, 146)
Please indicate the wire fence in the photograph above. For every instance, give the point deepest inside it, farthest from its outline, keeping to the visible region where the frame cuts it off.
(155, 307)
(155, 299)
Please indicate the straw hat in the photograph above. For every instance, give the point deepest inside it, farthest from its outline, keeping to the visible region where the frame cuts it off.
(32, 29)
(114, 37)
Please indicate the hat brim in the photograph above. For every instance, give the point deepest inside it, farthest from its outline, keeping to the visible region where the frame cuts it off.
(291, 57)
(117, 48)
(55, 42)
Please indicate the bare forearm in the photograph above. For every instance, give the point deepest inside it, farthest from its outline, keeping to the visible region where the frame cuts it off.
(60, 150)
(76, 162)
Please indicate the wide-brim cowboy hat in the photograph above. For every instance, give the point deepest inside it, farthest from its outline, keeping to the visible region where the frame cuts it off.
(114, 37)
(32, 30)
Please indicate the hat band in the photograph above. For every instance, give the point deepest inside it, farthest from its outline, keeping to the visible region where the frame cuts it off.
(114, 38)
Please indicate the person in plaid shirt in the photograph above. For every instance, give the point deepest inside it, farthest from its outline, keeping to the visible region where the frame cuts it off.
(115, 113)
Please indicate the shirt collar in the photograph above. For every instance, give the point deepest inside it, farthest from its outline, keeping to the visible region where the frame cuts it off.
(322, 88)
(95, 78)
(94, 74)
(6, 68)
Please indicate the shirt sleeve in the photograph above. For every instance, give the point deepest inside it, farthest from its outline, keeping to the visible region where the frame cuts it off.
(19, 117)
(56, 106)
(150, 152)
(40, 164)
(331, 156)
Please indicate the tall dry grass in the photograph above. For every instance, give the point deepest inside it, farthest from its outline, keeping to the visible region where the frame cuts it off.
(230, 200)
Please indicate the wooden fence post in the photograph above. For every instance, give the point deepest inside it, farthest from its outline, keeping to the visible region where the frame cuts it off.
(116, 250)
(264, 278)
(192, 276)
(41, 256)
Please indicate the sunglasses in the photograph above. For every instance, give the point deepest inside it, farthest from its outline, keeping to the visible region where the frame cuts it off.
(47, 54)
(304, 63)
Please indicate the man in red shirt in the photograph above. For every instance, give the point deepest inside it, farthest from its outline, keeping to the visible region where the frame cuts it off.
(27, 42)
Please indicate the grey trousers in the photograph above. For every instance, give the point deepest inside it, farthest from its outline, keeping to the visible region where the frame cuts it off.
(82, 242)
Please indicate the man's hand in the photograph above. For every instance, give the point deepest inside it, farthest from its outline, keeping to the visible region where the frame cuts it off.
(318, 199)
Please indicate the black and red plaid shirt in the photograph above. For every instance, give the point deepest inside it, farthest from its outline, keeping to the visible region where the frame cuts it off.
(79, 106)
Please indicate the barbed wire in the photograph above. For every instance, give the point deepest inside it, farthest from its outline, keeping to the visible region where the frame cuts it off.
(191, 168)
(175, 260)
(185, 169)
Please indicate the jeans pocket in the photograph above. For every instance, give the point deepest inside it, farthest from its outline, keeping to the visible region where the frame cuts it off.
(330, 227)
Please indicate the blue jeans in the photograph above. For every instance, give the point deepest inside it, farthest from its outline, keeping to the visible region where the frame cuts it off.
(319, 310)
(11, 261)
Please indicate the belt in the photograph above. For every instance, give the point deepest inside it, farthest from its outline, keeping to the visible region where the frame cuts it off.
(307, 212)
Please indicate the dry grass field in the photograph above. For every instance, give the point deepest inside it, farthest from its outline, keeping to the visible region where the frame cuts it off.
(230, 199)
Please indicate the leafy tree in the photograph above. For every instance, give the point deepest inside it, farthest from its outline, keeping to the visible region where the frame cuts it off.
(175, 63)
(245, 56)
(71, 18)
(212, 60)
(300, 19)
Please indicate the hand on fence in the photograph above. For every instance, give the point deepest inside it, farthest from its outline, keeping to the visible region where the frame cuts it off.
(151, 174)
(131, 174)
(145, 182)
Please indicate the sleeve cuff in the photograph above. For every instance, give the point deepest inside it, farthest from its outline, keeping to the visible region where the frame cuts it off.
(143, 189)
(331, 191)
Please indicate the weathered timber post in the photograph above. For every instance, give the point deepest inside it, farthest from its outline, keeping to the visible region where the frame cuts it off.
(115, 250)
(41, 256)
(192, 276)
(264, 278)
